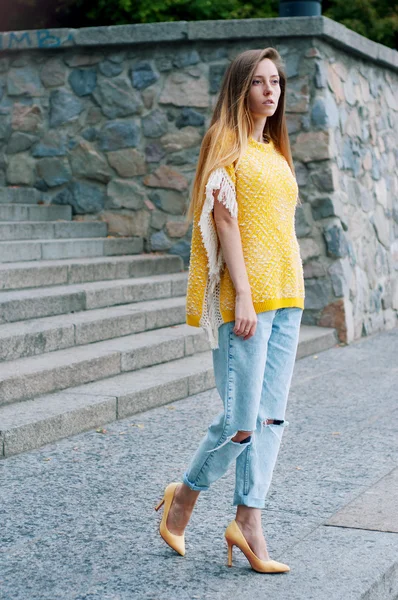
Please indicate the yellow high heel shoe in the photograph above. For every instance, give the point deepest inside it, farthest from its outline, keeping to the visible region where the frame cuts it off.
(177, 542)
(235, 537)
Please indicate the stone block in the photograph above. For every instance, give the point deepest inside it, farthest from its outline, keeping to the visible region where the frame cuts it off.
(160, 241)
(83, 81)
(318, 293)
(177, 228)
(182, 249)
(312, 146)
(26, 118)
(126, 194)
(181, 89)
(336, 241)
(110, 68)
(54, 171)
(24, 82)
(186, 138)
(53, 73)
(117, 99)
(128, 162)
(170, 201)
(189, 117)
(155, 124)
(118, 135)
(216, 74)
(21, 170)
(64, 107)
(167, 178)
(19, 142)
(309, 248)
(127, 223)
(88, 163)
(52, 144)
(83, 197)
(143, 75)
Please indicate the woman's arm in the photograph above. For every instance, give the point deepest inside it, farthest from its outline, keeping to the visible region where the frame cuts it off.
(231, 244)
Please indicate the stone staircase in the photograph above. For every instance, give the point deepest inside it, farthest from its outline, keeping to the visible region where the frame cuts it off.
(90, 330)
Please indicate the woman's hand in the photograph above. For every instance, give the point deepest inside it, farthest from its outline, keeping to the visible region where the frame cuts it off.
(245, 316)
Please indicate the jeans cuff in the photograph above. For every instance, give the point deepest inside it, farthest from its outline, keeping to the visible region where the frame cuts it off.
(196, 488)
(248, 501)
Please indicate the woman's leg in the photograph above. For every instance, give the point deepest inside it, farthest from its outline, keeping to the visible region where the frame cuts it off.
(254, 467)
(239, 372)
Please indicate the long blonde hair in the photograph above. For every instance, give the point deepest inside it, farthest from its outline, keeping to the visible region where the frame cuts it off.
(226, 139)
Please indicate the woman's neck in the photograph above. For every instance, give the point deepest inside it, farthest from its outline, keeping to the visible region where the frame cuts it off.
(258, 129)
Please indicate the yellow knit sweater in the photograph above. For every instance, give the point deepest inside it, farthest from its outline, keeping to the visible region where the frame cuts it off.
(262, 194)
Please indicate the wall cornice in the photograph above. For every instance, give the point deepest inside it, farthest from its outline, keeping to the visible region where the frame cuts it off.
(150, 33)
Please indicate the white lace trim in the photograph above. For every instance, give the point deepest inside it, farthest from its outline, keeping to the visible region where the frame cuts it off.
(211, 317)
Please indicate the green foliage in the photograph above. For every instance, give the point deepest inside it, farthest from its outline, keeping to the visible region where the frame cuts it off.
(374, 19)
(141, 11)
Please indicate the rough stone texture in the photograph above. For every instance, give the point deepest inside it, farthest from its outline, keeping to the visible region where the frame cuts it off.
(83, 197)
(54, 171)
(26, 118)
(165, 177)
(125, 194)
(119, 102)
(128, 162)
(181, 89)
(64, 107)
(119, 134)
(87, 162)
(83, 81)
(117, 99)
(21, 170)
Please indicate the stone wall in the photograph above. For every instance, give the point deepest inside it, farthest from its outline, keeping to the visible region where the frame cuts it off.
(110, 120)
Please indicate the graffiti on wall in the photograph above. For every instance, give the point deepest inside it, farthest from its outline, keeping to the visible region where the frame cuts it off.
(42, 38)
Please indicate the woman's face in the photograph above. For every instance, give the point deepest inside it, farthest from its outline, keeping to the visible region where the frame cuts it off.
(265, 89)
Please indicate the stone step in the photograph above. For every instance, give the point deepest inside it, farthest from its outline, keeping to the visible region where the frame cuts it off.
(27, 230)
(47, 418)
(39, 336)
(20, 195)
(29, 377)
(19, 305)
(20, 275)
(39, 212)
(33, 423)
(75, 248)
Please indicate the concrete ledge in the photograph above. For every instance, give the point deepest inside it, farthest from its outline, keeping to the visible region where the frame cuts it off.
(234, 29)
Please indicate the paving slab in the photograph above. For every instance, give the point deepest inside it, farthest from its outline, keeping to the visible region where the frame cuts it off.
(376, 508)
(78, 521)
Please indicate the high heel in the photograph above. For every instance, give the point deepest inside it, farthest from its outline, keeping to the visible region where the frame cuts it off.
(177, 542)
(235, 537)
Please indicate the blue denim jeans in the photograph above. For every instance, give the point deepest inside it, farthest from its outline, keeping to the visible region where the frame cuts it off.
(253, 378)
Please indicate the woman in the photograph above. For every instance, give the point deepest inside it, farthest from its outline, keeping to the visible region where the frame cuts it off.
(246, 289)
